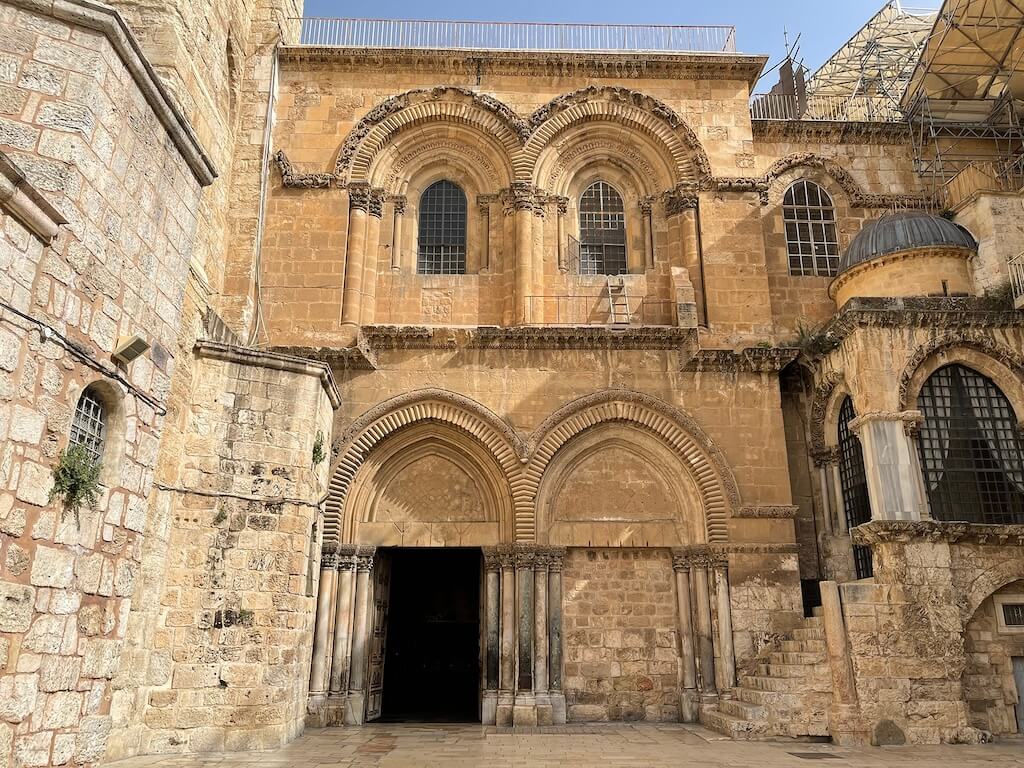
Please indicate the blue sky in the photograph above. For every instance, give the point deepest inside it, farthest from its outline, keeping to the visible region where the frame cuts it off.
(823, 25)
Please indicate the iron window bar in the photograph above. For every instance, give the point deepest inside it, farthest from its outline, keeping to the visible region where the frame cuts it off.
(810, 221)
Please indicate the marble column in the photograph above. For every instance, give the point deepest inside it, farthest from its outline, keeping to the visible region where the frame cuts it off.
(507, 656)
(726, 650)
(368, 310)
(341, 655)
(492, 635)
(484, 205)
(890, 465)
(705, 639)
(561, 211)
(398, 207)
(540, 637)
(520, 202)
(525, 709)
(355, 704)
(320, 663)
(355, 253)
(556, 695)
(845, 725)
(645, 212)
(689, 699)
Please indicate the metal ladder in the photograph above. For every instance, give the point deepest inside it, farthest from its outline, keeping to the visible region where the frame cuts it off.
(618, 301)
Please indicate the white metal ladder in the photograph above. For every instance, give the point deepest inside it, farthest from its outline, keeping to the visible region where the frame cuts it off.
(618, 301)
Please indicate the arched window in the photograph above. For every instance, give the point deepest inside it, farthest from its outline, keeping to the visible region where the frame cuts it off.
(971, 455)
(810, 222)
(856, 505)
(602, 231)
(89, 425)
(441, 246)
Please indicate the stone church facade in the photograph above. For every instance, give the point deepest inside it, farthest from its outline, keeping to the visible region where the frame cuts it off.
(521, 387)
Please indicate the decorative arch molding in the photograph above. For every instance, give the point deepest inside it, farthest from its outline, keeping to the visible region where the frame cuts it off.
(858, 197)
(717, 487)
(370, 134)
(470, 417)
(621, 105)
(447, 149)
(823, 409)
(999, 362)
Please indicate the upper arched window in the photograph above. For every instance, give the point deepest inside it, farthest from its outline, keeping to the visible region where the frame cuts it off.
(441, 244)
(810, 222)
(854, 482)
(602, 231)
(89, 425)
(971, 454)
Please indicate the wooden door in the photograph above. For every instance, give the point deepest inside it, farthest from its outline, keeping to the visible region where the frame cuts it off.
(1018, 678)
(378, 635)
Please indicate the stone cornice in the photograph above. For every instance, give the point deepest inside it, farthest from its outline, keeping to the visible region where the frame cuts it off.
(768, 511)
(216, 350)
(22, 201)
(689, 66)
(109, 22)
(907, 532)
(755, 359)
(379, 337)
(355, 358)
(943, 313)
(293, 179)
(832, 131)
(717, 555)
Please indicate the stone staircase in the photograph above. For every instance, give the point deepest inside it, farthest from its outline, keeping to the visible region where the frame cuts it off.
(788, 693)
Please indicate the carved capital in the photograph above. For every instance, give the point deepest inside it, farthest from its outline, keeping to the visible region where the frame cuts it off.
(556, 559)
(399, 202)
(376, 205)
(364, 558)
(561, 205)
(646, 205)
(697, 556)
(522, 196)
(359, 197)
(910, 419)
(484, 202)
(768, 511)
(345, 557)
(492, 559)
(525, 555)
(934, 531)
(679, 203)
(825, 456)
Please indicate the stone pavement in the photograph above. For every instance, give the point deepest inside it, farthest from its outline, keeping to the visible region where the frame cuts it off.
(602, 746)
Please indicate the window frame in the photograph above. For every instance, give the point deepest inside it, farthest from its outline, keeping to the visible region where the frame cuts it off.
(90, 426)
(804, 250)
(450, 231)
(853, 484)
(602, 264)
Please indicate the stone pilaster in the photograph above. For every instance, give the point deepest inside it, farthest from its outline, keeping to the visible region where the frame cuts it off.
(556, 556)
(492, 635)
(346, 560)
(368, 300)
(689, 699)
(398, 203)
(355, 255)
(705, 638)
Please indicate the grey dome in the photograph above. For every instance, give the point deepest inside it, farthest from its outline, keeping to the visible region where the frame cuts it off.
(902, 232)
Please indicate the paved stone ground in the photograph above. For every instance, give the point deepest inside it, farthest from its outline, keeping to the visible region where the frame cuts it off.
(600, 746)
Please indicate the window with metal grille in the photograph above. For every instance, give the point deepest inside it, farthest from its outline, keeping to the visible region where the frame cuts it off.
(602, 231)
(971, 454)
(441, 246)
(854, 482)
(810, 222)
(89, 424)
(1013, 614)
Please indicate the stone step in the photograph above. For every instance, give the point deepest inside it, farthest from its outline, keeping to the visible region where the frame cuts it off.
(732, 726)
(797, 657)
(744, 710)
(796, 670)
(809, 633)
(803, 646)
(822, 684)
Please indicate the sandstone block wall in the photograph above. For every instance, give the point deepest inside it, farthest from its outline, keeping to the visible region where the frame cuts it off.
(620, 634)
(989, 686)
(227, 664)
(81, 125)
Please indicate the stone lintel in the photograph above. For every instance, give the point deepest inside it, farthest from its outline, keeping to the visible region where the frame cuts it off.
(772, 511)
(216, 350)
(751, 359)
(109, 22)
(19, 198)
(934, 531)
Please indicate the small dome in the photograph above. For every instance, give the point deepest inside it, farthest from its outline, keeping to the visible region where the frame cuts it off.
(903, 232)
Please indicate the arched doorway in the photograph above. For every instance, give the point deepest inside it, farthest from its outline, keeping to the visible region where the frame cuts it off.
(994, 675)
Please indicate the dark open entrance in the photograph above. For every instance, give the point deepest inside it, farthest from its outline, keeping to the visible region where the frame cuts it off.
(432, 661)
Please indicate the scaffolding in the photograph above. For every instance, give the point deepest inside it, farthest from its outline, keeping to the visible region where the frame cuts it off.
(964, 99)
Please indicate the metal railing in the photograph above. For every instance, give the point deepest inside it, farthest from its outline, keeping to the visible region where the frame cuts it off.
(594, 310)
(782, 106)
(1016, 265)
(515, 36)
(983, 176)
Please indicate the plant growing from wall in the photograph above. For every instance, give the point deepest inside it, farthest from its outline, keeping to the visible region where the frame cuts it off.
(318, 448)
(76, 479)
(813, 341)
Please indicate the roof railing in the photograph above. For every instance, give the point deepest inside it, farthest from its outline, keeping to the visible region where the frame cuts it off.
(784, 106)
(515, 36)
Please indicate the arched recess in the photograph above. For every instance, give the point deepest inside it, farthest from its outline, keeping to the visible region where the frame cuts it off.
(643, 115)
(990, 581)
(820, 169)
(825, 403)
(698, 454)
(428, 485)
(447, 104)
(985, 355)
(467, 416)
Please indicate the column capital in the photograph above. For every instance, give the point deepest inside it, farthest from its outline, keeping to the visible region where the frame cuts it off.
(363, 197)
(911, 419)
(826, 456)
(364, 558)
(561, 204)
(492, 559)
(522, 196)
(399, 202)
(679, 202)
(345, 556)
(647, 204)
(484, 202)
(698, 556)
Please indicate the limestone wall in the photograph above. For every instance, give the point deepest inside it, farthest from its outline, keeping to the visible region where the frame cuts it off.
(989, 685)
(100, 142)
(621, 635)
(226, 664)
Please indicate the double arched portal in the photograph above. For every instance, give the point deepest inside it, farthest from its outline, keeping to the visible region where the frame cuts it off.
(432, 471)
